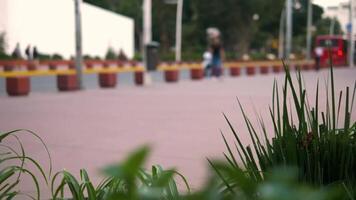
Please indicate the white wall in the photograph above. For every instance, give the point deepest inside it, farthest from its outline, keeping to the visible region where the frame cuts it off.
(49, 25)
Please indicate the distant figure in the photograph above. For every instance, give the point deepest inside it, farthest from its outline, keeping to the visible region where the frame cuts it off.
(318, 53)
(207, 63)
(28, 52)
(17, 52)
(217, 52)
(35, 53)
(122, 56)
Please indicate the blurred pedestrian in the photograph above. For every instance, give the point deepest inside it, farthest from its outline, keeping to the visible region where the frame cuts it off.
(17, 52)
(318, 53)
(207, 63)
(122, 56)
(216, 49)
(35, 53)
(28, 52)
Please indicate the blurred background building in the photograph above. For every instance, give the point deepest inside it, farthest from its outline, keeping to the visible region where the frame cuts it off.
(341, 13)
(49, 25)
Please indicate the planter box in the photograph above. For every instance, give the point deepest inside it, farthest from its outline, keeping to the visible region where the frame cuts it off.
(107, 80)
(250, 70)
(31, 66)
(264, 69)
(171, 75)
(196, 74)
(235, 71)
(277, 68)
(18, 86)
(67, 82)
(139, 78)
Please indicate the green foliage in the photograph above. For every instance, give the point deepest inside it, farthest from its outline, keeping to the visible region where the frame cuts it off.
(110, 54)
(3, 54)
(15, 166)
(322, 152)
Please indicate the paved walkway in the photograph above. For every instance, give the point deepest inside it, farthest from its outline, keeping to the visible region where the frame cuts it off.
(181, 122)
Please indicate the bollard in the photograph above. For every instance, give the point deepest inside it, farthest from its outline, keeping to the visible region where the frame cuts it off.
(264, 69)
(171, 75)
(277, 68)
(107, 80)
(306, 67)
(67, 82)
(52, 66)
(235, 71)
(250, 70)
(18, 86)
(197, 73)
(139, 77)
(31, 66)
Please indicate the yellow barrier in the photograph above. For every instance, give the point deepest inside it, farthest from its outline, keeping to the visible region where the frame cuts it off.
(6, 74)
(163, 67)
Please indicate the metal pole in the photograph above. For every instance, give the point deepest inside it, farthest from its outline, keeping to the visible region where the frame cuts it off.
(289, 22)
(78, 43)
(332, 26)
(147, 27)
(309, 28)
(352, 42)
(179, 30)
(281, 35)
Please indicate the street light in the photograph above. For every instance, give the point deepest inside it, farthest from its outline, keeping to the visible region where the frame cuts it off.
(309, 28)
(78, 43)
(178, 48)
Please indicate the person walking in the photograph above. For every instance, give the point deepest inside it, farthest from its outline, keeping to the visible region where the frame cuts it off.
(17, 52)
(35, 53)
(28, 52)
(318, 53)
(217, 52)
(207, 63)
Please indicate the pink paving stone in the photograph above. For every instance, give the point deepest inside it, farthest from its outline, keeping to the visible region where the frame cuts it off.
(92, 128)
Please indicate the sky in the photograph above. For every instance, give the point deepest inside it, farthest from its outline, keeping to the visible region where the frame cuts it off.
(326, 3)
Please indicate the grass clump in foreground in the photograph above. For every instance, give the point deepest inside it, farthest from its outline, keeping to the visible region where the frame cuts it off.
(310, 159)
(323, 153)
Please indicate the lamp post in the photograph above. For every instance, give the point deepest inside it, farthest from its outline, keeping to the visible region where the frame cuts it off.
(289, 21)
(78, 43)
(309, 28)
(351, 35)
(281, 35)
(147, 27)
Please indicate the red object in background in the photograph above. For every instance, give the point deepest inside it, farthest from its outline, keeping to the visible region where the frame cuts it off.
(139, 78)
(334, 48)
(235, 71)
(107, 80)
(250, 70)
(171, 75)
(18, 86)
(264, 69)
(67, 82)
(277, 68)
(197, 74)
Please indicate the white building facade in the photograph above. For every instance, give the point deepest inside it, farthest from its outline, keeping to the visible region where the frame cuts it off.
(342, 13)
(50, 26)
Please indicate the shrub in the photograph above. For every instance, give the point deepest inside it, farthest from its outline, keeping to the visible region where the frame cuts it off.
(323, 153)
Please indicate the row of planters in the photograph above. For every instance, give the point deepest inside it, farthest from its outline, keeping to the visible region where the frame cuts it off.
(312, 156)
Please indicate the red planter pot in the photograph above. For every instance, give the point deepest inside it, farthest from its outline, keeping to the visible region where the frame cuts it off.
(235, 71)
(196, 74)
(52, 67)
(250, 70)
(307, 67)
(171, 75)
(277, 68)
(31, 66)
(18, 86)
(139, 78)
(107, 80)
(67, 82)
(264, 69)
